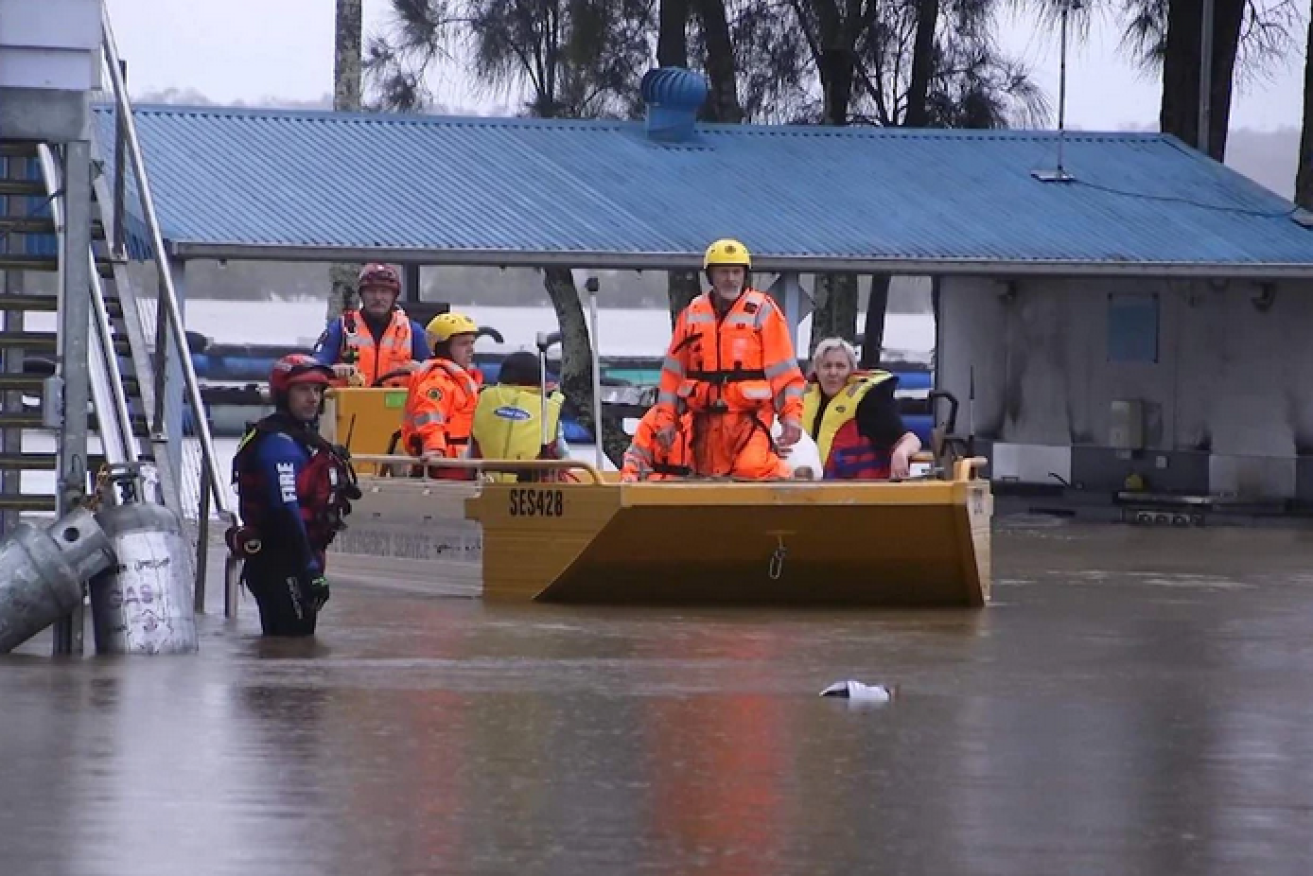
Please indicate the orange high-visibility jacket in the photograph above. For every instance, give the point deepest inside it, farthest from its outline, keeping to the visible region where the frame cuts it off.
(440, 404)
(393, 351)
(646, 460)
(741, 362)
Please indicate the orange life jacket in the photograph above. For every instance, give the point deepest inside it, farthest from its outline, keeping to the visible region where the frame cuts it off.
(392, 352)
(741, 362)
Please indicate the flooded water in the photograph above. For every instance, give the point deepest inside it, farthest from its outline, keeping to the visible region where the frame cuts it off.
(1136, 701)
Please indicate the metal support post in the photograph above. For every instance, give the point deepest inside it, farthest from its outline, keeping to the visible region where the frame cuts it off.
(174, 383)
(793, 299)
(410, 282)
(75, 320)
(1205, 74)
(202, 542)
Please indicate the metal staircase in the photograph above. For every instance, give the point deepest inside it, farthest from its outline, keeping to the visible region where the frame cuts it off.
(130, 341)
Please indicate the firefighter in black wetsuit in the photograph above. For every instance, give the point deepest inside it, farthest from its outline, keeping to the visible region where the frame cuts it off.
(294, 490)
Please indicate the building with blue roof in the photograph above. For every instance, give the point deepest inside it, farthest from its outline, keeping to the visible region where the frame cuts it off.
(1140, 309)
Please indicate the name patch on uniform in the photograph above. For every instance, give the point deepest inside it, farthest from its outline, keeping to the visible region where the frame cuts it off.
(287, 481)
(509, 412)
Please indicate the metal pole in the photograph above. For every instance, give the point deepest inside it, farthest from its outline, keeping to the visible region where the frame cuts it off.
(75, 321)
(173, 311)
(120, 176)
(1062, 89)
(202, 543)
(595, 346)
(410, 282)
(1205, 75)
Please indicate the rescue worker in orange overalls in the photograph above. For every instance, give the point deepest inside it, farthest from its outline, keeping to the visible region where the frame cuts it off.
(443, 393)
(379, 339)
(647, 460)
(731, 366)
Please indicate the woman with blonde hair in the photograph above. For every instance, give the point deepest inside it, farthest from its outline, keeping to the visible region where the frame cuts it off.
(853, 416)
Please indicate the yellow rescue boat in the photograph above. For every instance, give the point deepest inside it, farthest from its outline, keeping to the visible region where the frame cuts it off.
(923, 542)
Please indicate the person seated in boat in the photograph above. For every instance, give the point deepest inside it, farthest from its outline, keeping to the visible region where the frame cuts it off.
(294, 490)
(508, 419)
(378, 340)
(731, 366)
(853, 416)
(442, 394)
(647, 460)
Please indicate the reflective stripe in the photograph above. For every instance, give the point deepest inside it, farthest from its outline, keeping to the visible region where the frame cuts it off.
(795, 391)
(762, 313)
(739, 319)
(756, 392)
(673, 365)
(667, 398)
(640, 453)
(696, 318)
(779, 368)
(686, 389)
(426, 419)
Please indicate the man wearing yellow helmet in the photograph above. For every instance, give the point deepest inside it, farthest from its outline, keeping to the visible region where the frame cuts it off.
(442, 394)
(731, 368)
(376, 340)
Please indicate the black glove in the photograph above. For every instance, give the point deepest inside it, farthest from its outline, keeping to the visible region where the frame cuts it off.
(319, 592)
(314, 591)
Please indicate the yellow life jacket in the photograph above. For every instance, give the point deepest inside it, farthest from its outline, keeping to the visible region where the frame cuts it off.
(841, 409)
(508, 424)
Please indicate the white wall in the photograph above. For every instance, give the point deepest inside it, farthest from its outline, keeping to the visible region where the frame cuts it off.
(1230, 377)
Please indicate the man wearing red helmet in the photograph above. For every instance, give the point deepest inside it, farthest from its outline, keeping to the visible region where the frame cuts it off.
(294, 490)
(378, 339)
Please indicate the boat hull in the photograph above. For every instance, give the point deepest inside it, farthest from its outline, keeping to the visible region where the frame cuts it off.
(923, 543)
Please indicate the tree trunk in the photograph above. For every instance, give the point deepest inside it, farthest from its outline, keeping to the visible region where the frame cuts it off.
(681, 288)
(1226, 43)
(1179, 114)
(1304, 175)
(836, 68)
(672, 38)
(576, 359)
(873, 333)
(923, 67)
(723, 102)
(348, 35)
(835, 312)
(1181, 69)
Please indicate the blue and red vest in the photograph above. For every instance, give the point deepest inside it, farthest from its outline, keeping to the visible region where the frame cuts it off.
(324, 486)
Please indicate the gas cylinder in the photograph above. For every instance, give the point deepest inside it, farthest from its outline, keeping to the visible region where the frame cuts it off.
(41, 573)
(143, 603)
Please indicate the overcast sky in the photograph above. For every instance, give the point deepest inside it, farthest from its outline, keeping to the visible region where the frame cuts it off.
(251, 50)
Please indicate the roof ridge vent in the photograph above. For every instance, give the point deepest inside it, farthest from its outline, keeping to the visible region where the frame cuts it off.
(673, 96)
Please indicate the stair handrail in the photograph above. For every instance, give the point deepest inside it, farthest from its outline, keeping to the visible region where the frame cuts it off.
(119, 443)
(168, 294)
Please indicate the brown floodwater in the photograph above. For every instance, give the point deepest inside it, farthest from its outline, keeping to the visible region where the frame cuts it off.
(1135, 701)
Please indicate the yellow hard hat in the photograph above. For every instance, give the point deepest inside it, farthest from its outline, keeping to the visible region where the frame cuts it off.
(445, 325)
(727, 251)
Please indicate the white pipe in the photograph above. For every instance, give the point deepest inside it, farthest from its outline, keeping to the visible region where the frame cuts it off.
(595, 346)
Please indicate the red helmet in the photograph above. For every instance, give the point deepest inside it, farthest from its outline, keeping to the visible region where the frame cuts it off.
(297, 368)
(378, 275)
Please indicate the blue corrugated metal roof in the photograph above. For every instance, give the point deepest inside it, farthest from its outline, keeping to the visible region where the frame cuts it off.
(235, 181)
